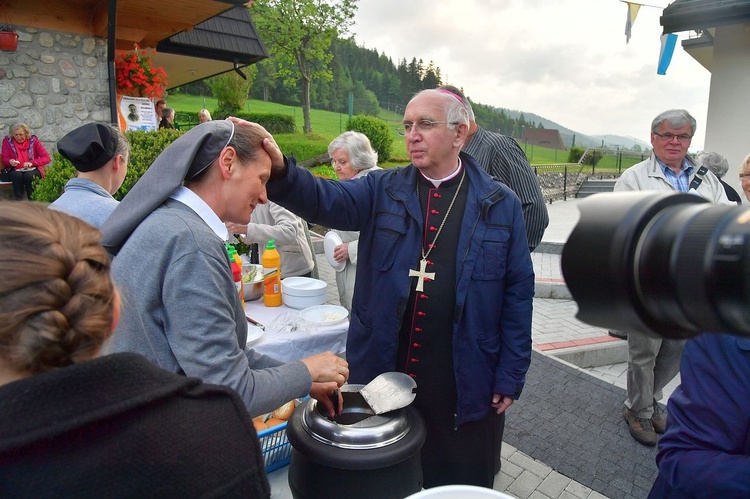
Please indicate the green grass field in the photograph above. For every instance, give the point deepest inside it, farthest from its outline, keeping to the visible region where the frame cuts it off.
(542, 155)
(327, 125)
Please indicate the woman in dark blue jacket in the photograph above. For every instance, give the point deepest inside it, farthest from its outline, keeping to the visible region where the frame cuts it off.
(705, 451)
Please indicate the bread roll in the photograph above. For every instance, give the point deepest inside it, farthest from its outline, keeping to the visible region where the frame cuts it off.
(274, 422)
(259, 423)
(285, 411)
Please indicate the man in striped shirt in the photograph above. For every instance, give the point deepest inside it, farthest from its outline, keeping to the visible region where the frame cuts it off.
(503, 158)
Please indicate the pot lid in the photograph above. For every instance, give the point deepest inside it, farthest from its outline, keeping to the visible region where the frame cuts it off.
(357, 427)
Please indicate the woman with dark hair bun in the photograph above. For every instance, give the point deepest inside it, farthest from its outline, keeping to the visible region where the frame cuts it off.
(73, 424)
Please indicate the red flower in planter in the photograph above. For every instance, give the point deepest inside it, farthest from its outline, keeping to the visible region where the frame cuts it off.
(137, 76)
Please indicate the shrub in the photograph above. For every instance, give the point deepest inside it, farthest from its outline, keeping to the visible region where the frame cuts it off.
(184, 120)
(274, 123)
(378, 133)
(56, 175)
(221, 113)
(302, 147)
(230, 89)
(144, 148)
(325, 171)
(575, 154)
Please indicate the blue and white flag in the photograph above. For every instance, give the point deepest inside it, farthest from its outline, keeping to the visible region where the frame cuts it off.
(668, 43)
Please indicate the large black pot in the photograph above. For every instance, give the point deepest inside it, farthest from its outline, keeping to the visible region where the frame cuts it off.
(360, 455)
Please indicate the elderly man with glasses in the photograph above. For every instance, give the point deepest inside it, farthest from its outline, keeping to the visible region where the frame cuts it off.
(652, 363)
(444, 287)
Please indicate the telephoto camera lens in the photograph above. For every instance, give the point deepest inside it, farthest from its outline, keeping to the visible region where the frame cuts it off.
(669, 265)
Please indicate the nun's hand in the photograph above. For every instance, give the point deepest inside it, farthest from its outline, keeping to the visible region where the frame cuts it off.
(269, 144)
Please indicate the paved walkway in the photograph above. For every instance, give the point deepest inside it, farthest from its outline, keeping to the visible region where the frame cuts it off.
(565, 438)
(568, 422)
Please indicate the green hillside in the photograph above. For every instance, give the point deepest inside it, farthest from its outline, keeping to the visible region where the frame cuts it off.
(327, 125)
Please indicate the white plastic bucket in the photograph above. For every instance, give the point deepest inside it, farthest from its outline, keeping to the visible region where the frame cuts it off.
(460, 492)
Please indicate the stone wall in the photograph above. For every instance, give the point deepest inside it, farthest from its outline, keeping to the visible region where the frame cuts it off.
(54, 82)
(553, 183)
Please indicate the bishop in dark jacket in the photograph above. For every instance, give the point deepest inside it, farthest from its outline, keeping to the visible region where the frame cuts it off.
(444, 286)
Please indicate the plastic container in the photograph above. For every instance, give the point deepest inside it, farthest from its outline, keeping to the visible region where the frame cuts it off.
(253, 287)
(459, 492)
(236, 263)
(276, 449)
(238, 260)
(303, 292)
(271, 261)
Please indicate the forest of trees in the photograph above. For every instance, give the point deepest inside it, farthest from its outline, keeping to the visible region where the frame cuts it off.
(375, 82)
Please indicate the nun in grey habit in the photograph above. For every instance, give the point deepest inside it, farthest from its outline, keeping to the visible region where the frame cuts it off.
(180, 308)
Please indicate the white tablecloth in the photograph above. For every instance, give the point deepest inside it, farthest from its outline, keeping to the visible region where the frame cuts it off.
(286, 345)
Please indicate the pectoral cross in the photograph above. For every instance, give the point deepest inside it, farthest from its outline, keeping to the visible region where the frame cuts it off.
(421, 274)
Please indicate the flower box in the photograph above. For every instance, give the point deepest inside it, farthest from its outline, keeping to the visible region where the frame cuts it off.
(8, 40)
(136, 75)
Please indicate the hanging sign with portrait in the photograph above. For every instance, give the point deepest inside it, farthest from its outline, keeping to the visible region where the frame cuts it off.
(136, 113)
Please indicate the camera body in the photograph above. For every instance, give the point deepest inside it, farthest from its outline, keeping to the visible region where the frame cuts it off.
(669, 265)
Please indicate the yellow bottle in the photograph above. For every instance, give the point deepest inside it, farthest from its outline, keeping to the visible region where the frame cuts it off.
(271, 261)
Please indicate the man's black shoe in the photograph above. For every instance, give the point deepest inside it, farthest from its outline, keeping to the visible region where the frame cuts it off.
(618, 334)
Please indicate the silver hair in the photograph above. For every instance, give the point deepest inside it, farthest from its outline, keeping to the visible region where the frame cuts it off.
(677, 118)
(23, 126)
(205, 113)
(455, 90)
(469, 110)
(357, 145)
(167, 111)
(455, 110)
(746, 164)
(715, 162)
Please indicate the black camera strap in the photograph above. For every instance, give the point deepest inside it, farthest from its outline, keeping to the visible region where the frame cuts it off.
(698, 178)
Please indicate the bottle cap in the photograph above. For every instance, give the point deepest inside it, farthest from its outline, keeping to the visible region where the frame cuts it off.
(271, 244)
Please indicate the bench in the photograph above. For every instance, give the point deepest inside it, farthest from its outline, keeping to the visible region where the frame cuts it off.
(6, 191)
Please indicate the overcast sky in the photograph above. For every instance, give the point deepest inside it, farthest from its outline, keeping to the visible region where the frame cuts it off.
(565, 60)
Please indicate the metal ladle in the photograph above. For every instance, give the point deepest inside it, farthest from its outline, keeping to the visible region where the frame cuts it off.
(389, 391)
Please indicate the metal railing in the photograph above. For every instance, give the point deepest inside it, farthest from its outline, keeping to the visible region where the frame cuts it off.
(558, 181)
(563, 180)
